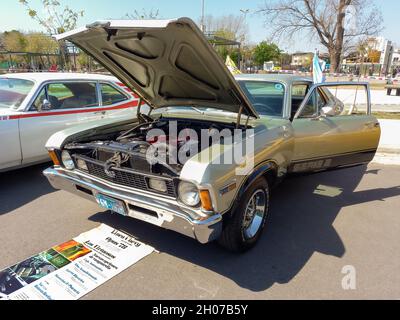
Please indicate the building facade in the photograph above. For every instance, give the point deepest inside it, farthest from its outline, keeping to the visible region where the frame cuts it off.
(302, 59)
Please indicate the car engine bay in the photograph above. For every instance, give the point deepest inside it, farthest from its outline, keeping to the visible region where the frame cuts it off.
(149, 147)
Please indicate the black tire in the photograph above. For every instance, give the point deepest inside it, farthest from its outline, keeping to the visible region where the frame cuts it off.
(233, 237)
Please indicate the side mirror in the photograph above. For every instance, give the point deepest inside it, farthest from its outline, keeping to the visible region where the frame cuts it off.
(327, 111)
(46, 105)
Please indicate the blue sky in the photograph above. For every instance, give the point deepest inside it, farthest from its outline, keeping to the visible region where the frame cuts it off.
(13, 16)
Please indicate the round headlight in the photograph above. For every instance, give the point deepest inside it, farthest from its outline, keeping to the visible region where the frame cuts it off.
(67, 160)
(189, 194)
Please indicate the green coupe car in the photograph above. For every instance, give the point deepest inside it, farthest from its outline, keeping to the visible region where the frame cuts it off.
(205, 148)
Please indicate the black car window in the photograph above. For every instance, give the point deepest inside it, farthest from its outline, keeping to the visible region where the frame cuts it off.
(68, 95)
(266, 97)
(299, 92)
(72, 95)
(313, 105)
(111, 95)
(13, 92)
(39, 100)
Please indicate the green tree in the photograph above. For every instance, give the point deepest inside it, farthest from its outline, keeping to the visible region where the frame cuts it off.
(224, 50)
(14, 41)
(230, 27)
(285, 59)
(39, 42)
(265, 51)
(55, 19)
(1, 41)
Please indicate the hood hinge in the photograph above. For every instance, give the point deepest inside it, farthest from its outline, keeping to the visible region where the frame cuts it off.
(143, 118)
(239, 117)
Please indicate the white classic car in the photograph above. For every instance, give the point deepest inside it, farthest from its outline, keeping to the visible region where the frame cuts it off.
(33, 106)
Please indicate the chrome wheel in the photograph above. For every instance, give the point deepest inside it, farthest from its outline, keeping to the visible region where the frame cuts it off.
(254, 214)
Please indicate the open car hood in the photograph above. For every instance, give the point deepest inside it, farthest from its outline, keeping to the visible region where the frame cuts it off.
(166, 62)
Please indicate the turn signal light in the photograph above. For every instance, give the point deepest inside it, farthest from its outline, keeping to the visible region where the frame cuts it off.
(54, 157)
(205, 198)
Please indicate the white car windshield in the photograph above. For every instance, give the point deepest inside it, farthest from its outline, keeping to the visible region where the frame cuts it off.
(13, 91)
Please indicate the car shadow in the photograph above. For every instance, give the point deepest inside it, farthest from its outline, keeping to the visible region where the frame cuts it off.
(19, 187)
(303, 209)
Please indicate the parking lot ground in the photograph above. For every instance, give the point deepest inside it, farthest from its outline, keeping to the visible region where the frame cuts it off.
(318, 224)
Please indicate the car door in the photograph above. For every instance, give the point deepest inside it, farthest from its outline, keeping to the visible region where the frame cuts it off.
(13, 95)
(56, 107)
(86, 102)
(10, 154)
(332, 130)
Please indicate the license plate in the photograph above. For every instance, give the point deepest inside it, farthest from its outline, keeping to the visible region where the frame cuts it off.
(111, 204)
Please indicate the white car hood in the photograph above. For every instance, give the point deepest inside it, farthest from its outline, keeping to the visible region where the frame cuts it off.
(167, 62)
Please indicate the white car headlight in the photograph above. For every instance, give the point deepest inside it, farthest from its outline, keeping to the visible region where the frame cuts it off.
(189, 194)
(67, 160)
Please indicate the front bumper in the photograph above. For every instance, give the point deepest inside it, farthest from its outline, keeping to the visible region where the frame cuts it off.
(164, 213)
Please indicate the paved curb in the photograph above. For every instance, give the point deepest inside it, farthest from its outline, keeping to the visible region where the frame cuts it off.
(389, 147)
(387, 158)
(391, 151)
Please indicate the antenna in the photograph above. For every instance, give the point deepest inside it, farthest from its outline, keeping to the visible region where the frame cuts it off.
(202, 26)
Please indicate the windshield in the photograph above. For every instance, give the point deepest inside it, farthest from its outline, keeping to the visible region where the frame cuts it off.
(13, 92)
(267, 97)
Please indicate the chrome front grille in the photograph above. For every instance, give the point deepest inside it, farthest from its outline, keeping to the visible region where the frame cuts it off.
(127, 178)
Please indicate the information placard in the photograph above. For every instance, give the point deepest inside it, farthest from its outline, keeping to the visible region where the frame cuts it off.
(71, 270)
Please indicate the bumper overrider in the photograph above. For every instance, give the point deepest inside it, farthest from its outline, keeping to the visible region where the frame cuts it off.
(151, 208)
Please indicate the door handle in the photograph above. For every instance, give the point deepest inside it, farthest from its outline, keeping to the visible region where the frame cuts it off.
(100, 113)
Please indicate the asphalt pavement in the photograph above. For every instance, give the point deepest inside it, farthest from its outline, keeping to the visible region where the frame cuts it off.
(319, 225)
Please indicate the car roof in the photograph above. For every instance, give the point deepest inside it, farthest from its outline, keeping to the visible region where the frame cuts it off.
(46, 76)
(285, 78)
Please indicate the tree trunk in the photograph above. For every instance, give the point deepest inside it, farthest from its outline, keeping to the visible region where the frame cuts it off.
(337, 50)
(335, 57)
(64, 57)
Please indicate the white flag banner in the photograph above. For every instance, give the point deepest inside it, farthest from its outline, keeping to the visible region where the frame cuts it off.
(318, 69)
(71, 270)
